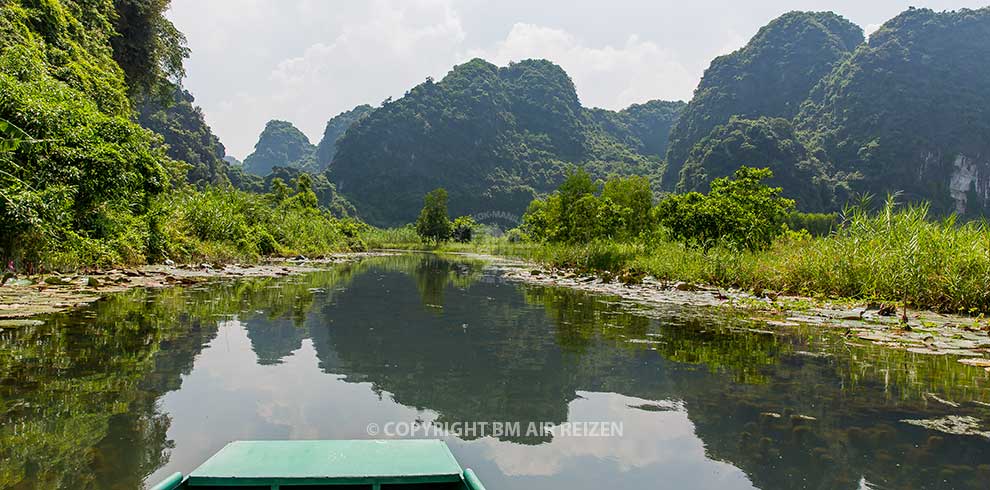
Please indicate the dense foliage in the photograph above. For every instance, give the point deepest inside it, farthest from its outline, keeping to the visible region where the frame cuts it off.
(650, 125)
(148, 47)
(336, 127)
(433, 224)
(739, 213)
(82, 184)
(326, 192)
(220, 223)
(463, 229)
(910, 111)
(578, 212)
(771, 76)
(769, 142)
(280, 145)
(187, 135)
(92, 172)
(493, 137)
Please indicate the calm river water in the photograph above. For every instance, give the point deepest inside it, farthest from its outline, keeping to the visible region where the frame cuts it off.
(147, 383)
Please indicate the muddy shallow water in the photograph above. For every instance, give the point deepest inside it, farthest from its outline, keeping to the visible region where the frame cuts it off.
(148, 382)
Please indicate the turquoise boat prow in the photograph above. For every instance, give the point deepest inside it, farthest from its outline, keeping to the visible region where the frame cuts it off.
(310, 465)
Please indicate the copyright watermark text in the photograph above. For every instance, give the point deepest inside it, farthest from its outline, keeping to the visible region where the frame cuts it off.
(496, 429)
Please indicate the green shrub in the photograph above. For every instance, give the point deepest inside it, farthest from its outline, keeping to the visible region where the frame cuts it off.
(575, 214)
(740, 213)
(463, 229)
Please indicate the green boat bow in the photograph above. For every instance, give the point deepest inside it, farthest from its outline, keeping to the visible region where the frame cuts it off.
(365, 465)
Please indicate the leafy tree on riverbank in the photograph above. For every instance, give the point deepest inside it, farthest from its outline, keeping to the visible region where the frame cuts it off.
(433, 224)
(740, 213)
(576, 213)
(463, 229)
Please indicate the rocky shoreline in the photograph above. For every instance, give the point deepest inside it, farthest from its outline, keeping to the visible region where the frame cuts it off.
(916, 331)
(26, 297)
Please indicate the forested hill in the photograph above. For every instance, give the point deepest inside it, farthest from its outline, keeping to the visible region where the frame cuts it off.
(280, 145)
(183, 128)
(335, 129)
(910, 111)
(769, 77)
(906, 112)
(494, 137)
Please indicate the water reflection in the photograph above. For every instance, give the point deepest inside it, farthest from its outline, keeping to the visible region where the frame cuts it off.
(148, 383)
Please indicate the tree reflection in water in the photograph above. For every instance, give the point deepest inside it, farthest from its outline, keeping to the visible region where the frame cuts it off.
(80, 398)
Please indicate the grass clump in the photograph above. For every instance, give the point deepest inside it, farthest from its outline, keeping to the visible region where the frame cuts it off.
(897, 254)
(223, 224)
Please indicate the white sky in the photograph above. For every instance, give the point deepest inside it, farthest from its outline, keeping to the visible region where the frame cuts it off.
(306, 60)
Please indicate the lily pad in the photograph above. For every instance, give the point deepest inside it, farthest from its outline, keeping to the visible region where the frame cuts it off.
(976, 361)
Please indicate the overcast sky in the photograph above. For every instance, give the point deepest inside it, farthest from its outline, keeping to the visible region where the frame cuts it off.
(306, 60)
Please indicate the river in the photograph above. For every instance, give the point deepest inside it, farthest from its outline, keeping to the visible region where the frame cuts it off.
(532, 387)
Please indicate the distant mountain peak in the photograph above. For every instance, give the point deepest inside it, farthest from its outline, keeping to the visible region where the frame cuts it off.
(280, 144)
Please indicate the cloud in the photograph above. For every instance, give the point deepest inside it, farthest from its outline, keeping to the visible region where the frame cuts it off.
(663, 441)
(307, 61)
(607, 76)
(384, 50)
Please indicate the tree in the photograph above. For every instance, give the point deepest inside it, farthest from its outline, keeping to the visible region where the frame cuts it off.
(576, 214)
(634, 194)
(577, 187)
(463, 229)
(433, 224)
(741, 212)
(279, 190)
(305, 198)
(148, 48)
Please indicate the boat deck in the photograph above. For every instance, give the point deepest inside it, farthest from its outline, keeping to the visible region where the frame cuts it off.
(337, 465)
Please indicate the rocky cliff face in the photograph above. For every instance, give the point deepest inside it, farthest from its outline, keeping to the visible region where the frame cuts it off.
(969, 184)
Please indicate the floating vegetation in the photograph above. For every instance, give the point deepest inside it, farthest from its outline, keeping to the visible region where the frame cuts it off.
(961, 425)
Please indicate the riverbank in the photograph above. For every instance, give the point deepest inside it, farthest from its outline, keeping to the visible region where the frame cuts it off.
(917, 331)
(26, 297)
(920, 332)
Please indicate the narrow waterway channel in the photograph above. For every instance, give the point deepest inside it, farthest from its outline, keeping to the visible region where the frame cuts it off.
(145, 383)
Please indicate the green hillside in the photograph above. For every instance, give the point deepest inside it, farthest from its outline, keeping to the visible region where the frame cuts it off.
(336, 127)
(771, 76)
(762, 142)
(280, 145)
(910, 111)
(494, 137)
(183, 128)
